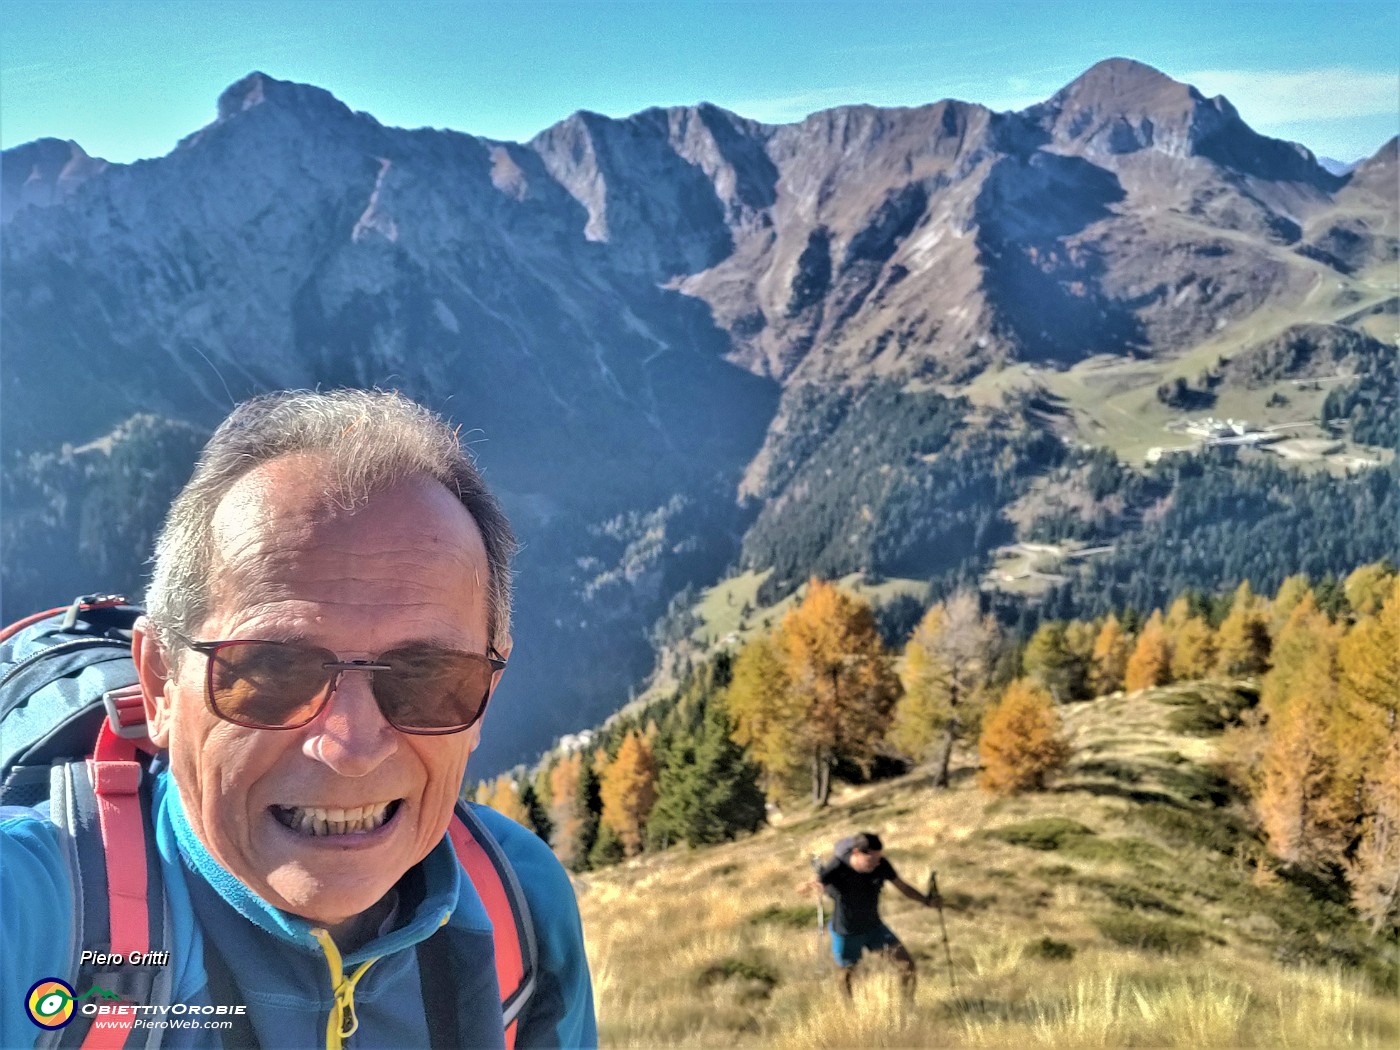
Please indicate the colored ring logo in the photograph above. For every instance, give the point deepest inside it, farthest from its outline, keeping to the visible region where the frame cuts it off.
(50, 1003)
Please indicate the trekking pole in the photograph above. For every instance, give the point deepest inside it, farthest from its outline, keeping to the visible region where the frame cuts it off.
(821, 902)
(943, 926)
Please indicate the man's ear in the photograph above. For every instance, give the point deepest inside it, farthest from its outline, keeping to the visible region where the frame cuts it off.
(507, 643)
(153, 671)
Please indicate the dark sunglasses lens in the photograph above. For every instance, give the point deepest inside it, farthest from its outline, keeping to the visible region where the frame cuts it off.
(268, 685)
(431, 690)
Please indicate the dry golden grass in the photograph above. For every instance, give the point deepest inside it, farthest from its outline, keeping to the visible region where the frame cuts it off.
(1174, 934)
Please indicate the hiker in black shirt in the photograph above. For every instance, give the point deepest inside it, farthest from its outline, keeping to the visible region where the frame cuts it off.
(853, 878)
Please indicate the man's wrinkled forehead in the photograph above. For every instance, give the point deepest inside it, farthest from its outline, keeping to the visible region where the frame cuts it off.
(283, 511)
(280, 501)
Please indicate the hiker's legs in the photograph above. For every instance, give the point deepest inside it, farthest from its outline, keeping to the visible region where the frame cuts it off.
(899, 955)
(846, 949)
(887, 944)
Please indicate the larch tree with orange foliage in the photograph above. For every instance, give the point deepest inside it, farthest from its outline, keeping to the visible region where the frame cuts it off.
(1150, 663)
(565, 820)
(504, 798)
(767, 717)
(1022, 744)
(1367, 587)
(1369, 659)
(1242, 643)
(628, 790)
(1302, 802)
(840, 678)
(1289, 594)
(1193, 650)
(1109, 657)
(1373, 871)
(1366, 737)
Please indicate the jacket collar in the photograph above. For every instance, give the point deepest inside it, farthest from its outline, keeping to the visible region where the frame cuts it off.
(446, 894)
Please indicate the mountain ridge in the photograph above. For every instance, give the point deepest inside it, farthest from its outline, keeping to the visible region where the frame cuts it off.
(640, 313)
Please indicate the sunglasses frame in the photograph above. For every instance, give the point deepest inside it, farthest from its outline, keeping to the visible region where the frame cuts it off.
(335, 669)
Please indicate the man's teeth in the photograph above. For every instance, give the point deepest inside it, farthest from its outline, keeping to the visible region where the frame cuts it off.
(317, 821)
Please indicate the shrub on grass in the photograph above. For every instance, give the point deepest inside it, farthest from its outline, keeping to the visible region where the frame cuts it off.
(1207, 712)
(1043, 833)
(1134, 898)
(796, 917)
(1136, 852)
(1184, 828)
(1049, 948)
(1149, 935)
(759, 979)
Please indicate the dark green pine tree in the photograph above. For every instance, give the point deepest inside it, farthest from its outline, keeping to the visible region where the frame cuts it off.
(537, 815)
(607, 849)
(590, 809)
(708, 791)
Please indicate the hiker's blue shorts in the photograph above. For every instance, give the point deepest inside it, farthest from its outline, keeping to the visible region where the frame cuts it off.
(848, 948)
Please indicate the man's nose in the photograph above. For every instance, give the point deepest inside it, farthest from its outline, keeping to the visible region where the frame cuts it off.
(350, 735)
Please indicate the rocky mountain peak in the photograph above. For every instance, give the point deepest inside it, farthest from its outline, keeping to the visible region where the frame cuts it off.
(1372, 184)
(258, 88)
(1120, 106)
(301, 111)
(44, 172)
(1381, 167)
(1126, 83)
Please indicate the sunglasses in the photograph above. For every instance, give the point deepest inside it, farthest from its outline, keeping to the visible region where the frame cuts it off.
(421, 689)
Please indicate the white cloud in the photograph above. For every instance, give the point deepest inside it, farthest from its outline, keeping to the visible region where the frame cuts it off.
(1266, 97)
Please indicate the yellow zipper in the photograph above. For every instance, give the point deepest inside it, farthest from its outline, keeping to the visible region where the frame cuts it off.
(342, 1022)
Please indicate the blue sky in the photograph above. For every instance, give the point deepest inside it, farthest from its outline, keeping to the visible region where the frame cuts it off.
(128, 79)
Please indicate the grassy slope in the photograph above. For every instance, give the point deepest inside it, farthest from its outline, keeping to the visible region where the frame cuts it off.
(1112, 400)
(1176, 937)
(721, 607)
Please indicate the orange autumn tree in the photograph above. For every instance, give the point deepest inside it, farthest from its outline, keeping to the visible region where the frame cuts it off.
(504, 797)
(1193, 650)
(1109, 657)
(1150, 663)
(766, 717)
(1289, 594)
(1304, 805)
(1367, 739)
(1369, 659)
(1373, 872)
(1022, 743)
(1366, 588)
(1242, 643)
(628, 790)
(564, 818)
(842, 687)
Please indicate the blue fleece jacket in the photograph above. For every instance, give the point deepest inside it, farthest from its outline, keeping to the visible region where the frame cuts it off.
(280, 970)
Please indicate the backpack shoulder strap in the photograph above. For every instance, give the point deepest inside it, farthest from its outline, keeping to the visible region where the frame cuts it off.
(517, 954)
(104, 805)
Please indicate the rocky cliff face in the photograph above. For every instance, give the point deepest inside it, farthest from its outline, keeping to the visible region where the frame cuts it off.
(616, 305)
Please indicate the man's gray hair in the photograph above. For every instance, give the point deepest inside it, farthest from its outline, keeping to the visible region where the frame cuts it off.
(369, 440)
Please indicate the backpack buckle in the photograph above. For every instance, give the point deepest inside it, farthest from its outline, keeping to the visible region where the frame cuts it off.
(126, 712)
(89, 601)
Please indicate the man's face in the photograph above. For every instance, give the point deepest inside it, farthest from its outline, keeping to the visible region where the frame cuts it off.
(409, 567)
(865, 862)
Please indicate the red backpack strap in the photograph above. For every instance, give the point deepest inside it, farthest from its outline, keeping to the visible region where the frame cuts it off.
(120, 897)
(116, 780)
(488, 868)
